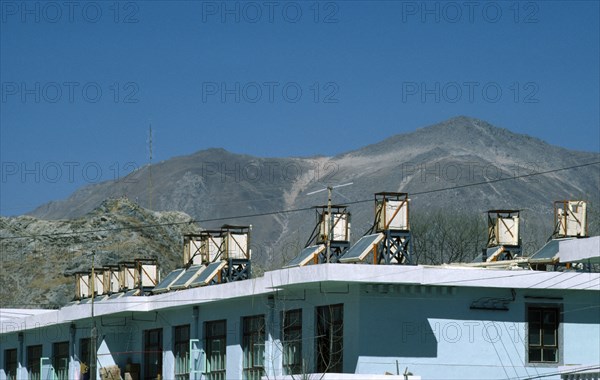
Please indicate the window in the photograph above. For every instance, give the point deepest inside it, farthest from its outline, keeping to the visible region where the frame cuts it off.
(84, 355)
(152, 354)
(60, 360)
(34, 354)
(181, 350)
(330, 338)
(215, 345)
(291, 337)
(543, 334)
(253, 344)
(10, 363)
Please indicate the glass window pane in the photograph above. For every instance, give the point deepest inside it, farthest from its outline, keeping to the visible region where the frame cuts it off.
(549, 355)
(549, 317)
(215, 346)
(152, 353)
(543, 334)
(535, 315)
(534, 334)
(291, 325)
(535, 355)
(330, 328)
(253, 341)
(549, 336)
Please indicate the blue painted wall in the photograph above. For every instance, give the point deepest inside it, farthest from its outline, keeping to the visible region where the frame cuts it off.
(431, 330)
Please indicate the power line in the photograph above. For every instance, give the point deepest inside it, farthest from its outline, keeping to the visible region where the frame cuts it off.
(496, 180)
(288, 211)
(567, 372)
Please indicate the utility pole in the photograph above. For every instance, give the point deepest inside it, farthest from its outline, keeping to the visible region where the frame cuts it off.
(150, 168)
(330, 227)
(94, 334)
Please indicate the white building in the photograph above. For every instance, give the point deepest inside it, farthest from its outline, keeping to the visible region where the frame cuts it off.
(360, 320)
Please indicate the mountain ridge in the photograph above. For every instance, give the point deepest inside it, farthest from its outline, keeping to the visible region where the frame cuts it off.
(452, 177)
(215, 183)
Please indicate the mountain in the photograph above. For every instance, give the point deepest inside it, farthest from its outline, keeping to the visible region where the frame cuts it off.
(217, 187)
(36, 269)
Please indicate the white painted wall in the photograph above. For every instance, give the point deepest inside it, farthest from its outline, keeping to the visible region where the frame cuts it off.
(390, 321)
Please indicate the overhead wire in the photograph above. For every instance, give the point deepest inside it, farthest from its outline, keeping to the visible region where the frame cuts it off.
(293, 210)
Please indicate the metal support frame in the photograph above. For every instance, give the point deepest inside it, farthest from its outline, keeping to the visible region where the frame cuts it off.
(396, 248)
(236, 270)
(336, 250)
(397, 245)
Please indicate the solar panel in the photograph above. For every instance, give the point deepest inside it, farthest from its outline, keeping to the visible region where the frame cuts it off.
(494, 253)
(189, 275)
(132, 292)
(361, 249)
(164, 285)
(547, 252)
(306, 255)
(208, 274)
(115, 296)
(89, 300)
(490, 252)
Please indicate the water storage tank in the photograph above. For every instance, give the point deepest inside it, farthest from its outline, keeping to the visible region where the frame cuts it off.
(391, 211)
(341, 226)
(570, 218)
(503, 228)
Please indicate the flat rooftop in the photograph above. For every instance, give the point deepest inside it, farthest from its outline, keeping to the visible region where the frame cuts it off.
(308, 277)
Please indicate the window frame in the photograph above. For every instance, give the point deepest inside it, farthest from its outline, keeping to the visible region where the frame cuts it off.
(84, 354)
(209, 339)
(181, 345)
(557, 309)
(11, 366)
(337, 338)
(291, 330)
(253, 335)
(33, 365)
(151, 349)
(57, 356)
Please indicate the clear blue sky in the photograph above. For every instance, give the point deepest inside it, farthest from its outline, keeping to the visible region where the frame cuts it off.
(82, 81)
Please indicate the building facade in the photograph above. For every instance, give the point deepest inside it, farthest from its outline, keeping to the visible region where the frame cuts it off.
(363, 321)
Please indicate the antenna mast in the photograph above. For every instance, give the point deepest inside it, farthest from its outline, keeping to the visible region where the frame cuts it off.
(150, 168)
(330, 220)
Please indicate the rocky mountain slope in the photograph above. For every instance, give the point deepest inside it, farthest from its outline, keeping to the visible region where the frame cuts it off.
(36, 269)
(214, 184)
(442, 166)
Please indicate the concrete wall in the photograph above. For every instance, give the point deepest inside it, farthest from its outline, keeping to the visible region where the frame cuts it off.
(437, 335)
(431, 330)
